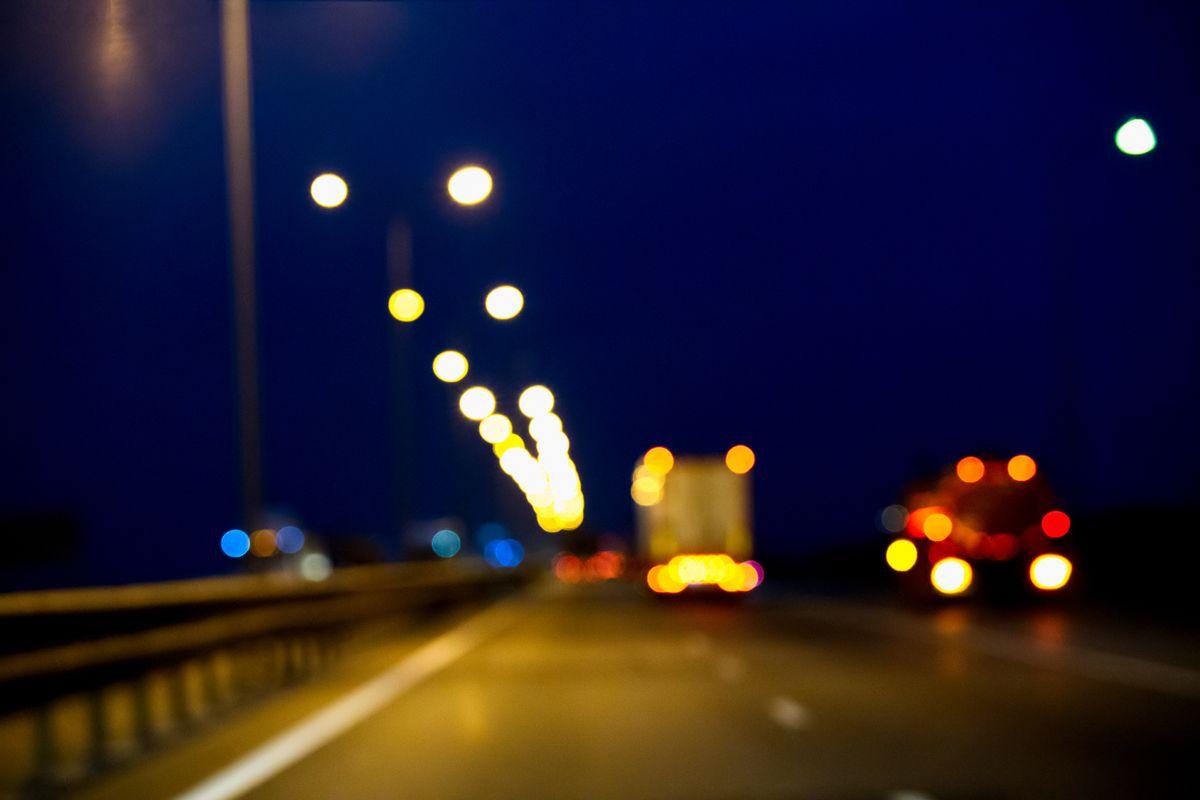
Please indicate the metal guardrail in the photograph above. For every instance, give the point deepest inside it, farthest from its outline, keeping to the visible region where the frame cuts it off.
(242, 635)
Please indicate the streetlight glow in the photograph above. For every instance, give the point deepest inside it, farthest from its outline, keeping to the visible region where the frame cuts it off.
(450, 366)
(406, 305)
(739, 459)
(1135, 137)
(504, 302)
(328, 190)
(535, 401)
(495, 428)
(469, 185)
(476, 403)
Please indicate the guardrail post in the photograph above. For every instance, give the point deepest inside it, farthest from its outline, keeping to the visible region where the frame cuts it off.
(97, 730)
(177, 680)
(143, 727)
(45, 750)
(212, 684)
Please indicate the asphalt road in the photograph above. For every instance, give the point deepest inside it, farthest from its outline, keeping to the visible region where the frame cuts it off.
(601, 692)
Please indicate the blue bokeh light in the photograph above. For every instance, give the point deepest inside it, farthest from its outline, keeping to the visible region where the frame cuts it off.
(445, 543)
(235, 543)
(506, 553)
(289, 539)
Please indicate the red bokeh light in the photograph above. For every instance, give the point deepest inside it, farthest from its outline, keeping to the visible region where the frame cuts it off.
(1056, 524)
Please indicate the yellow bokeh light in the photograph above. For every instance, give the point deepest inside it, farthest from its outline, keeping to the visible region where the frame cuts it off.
(535, 401)
(450, 366)
(969, 469)
(545, 425)
(1050, 571)
(495, 428)
(646, 491)
(937, 526)
(469, 185)
(328, 190)
(508, 443)
(901, 555)
(951, 576)
(658, 460)
(504, 302)
(739, 459)
(406, 305)
(1021, 468)
(476, 403)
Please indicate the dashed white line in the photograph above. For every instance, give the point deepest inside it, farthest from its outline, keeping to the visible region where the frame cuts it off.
(789, 714)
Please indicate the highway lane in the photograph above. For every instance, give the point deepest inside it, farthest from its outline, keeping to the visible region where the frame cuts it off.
(602, 692)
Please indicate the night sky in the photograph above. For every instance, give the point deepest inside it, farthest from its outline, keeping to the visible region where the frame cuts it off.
(865, 240)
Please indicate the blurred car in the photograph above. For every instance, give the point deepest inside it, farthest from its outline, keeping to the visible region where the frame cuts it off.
(990, 516)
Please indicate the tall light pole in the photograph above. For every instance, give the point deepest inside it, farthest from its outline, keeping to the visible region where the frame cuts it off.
(239, 177)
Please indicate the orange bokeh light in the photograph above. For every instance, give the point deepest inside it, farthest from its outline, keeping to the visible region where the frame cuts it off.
(739, 459)
(969, 469)
(1021, 468)
(659, 460)
(937, 526)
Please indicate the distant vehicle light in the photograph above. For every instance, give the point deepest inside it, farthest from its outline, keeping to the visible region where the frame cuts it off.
(937, 526)
(1021, 468)
(739, 459)
(406, 305)
(450, 366)
(1050, 572)
(970, 469)
(235, 543)
(901, 555)
(315, 567)
(328, 190)
(646, 491)
(1135, 137)
(951, 576)
(659, 460)
(893, 518)
(504, 302)
(262, 543)
(1056, 524)
(469, 185)
(289, 539)
(445, 543)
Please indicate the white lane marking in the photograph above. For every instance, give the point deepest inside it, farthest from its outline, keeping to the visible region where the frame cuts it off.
(908, 794)
(317, 730)
(731, 669)
(787, 713)
(1132, 671)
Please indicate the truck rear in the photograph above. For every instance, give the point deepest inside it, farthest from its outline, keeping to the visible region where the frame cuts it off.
(694, 521)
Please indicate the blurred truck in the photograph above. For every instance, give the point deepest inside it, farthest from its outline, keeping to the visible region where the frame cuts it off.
(694, 521)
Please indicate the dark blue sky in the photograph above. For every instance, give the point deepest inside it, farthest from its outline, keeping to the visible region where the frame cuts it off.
(865, 239)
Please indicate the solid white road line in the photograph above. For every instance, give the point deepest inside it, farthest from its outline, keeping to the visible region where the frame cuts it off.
(279, 753)
(787, 713)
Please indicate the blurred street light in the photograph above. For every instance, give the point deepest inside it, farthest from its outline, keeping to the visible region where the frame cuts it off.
(450, 366)
(1135, 137)
(504, 302)
(476, 403)
(406, 305)
(328, 190)
(469, 185)
(535, 401)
